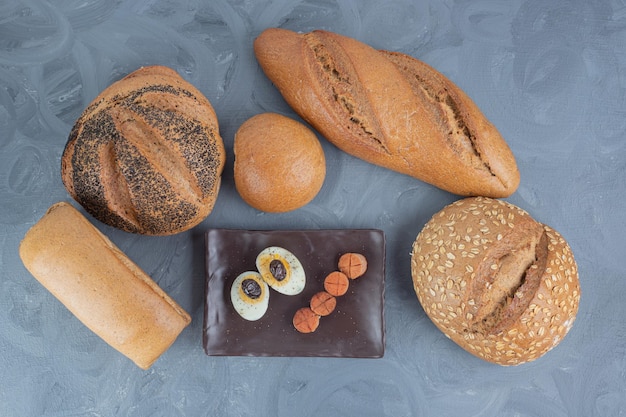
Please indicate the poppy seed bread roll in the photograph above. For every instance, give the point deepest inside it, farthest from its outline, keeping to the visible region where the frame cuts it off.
(388, 109)
(146, 155)
(101, 286)
(501, 285)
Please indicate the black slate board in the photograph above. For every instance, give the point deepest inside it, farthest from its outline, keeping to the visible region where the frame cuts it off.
(355, 329)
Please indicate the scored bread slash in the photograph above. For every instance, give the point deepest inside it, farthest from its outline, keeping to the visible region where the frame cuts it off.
(146, 155)
(305, 320)
(353, 265)
(336, 283)
(514, 298)
(389, 109)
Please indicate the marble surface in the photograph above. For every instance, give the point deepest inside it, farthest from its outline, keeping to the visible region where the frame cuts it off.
(551, 75)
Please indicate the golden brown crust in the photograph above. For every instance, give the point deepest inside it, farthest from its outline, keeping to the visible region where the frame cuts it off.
(376, 105)
(101, 286)
(468, 133)
(279, 163)
(501, 285)
(146, 155)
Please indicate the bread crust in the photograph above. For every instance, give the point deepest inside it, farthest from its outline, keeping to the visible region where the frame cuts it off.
(146, 155)
(101, 286)
(501, 285)
(389, 109)
(279, 163)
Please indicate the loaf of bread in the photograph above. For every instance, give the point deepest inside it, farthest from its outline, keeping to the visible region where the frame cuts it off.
(146, 155)
(279, 163)
(498, 283)
(101, 286)
(389, 109)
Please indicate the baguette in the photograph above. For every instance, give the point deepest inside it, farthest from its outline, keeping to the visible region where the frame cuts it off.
(104, 289)
(389, 109)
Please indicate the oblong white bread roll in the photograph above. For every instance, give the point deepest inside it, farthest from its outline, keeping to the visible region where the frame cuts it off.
(101, 286)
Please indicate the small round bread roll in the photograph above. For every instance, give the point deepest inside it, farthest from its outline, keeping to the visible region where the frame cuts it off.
(501, 285)
(279, 163)
(146, 155)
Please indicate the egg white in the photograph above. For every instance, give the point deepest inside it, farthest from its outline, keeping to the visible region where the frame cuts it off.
(295, 281)
(246, 307)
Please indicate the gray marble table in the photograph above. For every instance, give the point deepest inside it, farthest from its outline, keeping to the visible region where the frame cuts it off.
(551, 75)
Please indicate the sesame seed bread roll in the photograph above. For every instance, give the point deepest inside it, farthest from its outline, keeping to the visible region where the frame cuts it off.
(389, 109)
(101, 286)
(501, 285)
(146, 155)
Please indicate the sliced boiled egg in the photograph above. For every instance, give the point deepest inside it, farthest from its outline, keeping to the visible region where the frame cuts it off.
(281, 270)
(250, 295)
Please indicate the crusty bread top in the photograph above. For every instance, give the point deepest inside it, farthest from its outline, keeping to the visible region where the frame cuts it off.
(498, 283)
(470, 135)
(388, 110)
(146, 156)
